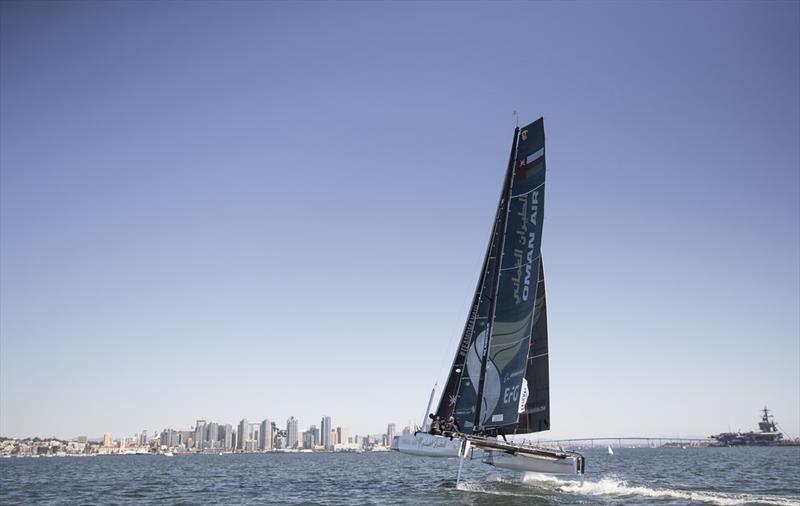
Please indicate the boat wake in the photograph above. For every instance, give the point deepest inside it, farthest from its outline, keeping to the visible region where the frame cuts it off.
(612, 486)
(474, 487)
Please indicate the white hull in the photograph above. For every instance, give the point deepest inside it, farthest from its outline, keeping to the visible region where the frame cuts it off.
(532, 463)
(426, 445)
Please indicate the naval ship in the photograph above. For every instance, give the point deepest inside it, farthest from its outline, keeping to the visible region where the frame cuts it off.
(767, 435)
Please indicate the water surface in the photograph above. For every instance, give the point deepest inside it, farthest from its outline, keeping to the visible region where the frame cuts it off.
(725, 476)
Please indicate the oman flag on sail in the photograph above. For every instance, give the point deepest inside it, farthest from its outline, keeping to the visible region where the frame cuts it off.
(529, 164)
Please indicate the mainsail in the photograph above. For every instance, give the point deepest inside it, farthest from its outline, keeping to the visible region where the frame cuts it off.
(499, 378)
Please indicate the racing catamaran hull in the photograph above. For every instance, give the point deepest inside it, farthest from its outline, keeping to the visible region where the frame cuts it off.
(423, 444)
(533, 464)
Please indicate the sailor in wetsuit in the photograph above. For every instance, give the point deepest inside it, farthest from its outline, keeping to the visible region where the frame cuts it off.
(436, 425)
(451, 427)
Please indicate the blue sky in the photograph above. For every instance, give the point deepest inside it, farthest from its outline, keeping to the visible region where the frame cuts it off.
(271, 209)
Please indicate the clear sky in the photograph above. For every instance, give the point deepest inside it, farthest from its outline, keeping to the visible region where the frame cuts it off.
(230, 210)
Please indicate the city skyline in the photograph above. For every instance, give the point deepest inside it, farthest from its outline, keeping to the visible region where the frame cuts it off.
(266, 208)
(213, 435)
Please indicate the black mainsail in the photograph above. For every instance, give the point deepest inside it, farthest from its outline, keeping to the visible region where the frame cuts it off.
(499, 379)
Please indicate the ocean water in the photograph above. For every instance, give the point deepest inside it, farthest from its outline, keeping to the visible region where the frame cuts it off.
(725, 476)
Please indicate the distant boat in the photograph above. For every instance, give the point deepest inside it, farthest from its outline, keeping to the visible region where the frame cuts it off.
(499, 382)
(610, 451)
(767, 435)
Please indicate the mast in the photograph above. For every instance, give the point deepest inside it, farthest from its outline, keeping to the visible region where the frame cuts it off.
(505, 194)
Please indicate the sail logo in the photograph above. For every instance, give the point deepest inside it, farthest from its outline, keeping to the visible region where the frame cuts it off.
(511, 394)
(531, 245)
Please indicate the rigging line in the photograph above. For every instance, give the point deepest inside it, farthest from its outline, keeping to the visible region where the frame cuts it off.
(527, 192)
(457, 334)
(514, 267)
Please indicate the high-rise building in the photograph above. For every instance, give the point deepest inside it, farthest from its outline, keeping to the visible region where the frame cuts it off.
(242, 434)
(265, 436)
(308, 439)
(106, 439)
(226, 436)
(143, 438)
(390, 431)
(341, 435)
(164, 437)
(292, 436)
(313, 432)
(325, 433)
(252, 432)
(212, 435)
(200, 434)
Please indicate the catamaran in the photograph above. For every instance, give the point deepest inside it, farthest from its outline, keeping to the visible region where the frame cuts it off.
(499, 382)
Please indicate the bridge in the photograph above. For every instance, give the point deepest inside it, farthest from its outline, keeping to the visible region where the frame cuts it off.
(620, 442)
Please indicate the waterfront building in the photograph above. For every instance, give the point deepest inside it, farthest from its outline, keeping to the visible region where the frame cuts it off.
(200, 434)
(226, 436)
(314, 434)
(341, 435)
(163, 438)
(106, 439)
(308, 440)
(390, 433)
(212, 435)
(334, 438)
(292, 438)
(242, 434)
(325, 433)
(252, 432)
(143, 438)
(265, 435)
(185, 437)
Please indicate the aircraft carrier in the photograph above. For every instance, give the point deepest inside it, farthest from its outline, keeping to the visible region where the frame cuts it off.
(767, 435)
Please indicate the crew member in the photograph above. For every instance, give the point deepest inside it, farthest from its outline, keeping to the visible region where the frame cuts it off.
(436, 425)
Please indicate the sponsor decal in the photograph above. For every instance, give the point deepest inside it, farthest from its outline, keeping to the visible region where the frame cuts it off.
(497, 418)
(534, 216)
(523, 397)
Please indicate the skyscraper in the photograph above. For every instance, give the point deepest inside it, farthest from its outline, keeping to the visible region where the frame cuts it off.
(106, 439)
(226, 436)
(325, 432)
(292, 439)
(212, 435)
(390, 430)
(265, 435)
(314, 436)
(341, 435)
(308, 439)
(200, 434)
(241, 434)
